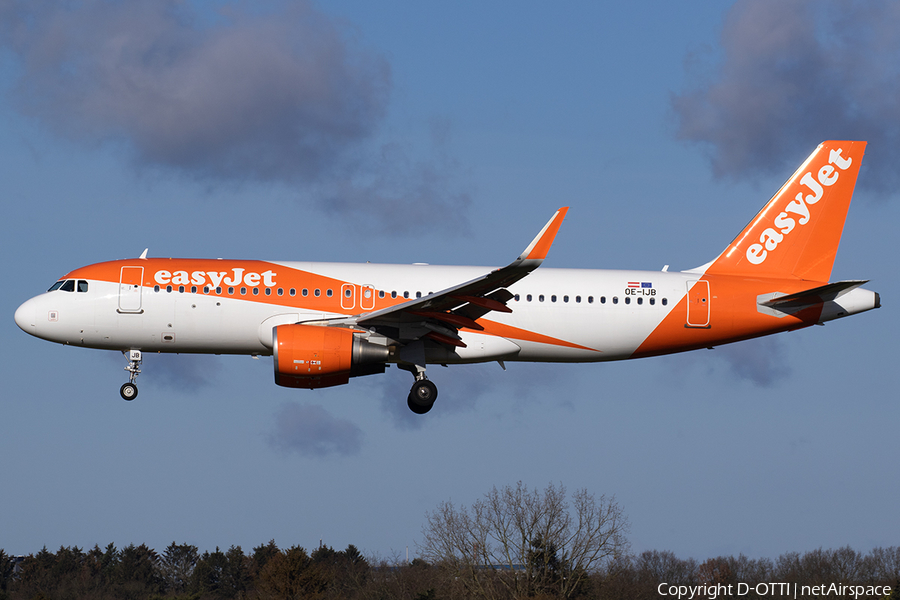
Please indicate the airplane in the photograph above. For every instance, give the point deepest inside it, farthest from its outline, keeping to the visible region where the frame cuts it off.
(325, 323)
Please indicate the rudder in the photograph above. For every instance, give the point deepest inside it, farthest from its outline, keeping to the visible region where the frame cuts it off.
(796, 234)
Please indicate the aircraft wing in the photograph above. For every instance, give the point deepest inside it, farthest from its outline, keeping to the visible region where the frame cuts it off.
(440, 315)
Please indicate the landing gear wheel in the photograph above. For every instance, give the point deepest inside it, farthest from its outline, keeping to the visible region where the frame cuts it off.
(419, 410)
(422, 396)
(128, 391)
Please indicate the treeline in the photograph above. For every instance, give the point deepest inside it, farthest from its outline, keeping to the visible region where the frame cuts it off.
(181, 572)
(639, 577)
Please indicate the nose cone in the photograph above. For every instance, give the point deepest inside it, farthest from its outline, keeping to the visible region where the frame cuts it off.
(25, 317)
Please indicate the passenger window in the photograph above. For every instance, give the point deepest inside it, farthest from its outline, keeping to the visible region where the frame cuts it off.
(418, 294)
(231, 291)
(317, 293)
(528, 297)
(591, 300)
(205, 289)
(652, 301)
(393, 294)
(56, 286)
(255, 291)
(82, 285)
(193, 289)
(155, 288)
(243, 291)
(281, 291)
(219, 289)
(180, 289)
(578, 299)
(615, 299)
(406, 294)
(68, 285)
(305, 292)
(169, 288)
(293, 292)
(329, 293)
(516, 297)
(640, 300)
(664, 301)
(541, 298)
(565, 298)
(381, 293)
(553, 298)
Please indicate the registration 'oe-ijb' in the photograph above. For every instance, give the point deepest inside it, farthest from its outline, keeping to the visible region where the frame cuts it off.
(324, 323)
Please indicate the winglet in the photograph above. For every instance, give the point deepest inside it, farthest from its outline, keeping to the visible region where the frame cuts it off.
(540, 245)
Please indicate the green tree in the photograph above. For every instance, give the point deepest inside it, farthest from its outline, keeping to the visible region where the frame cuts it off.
(208, 577)
(7, 566)
(177, 564)
(262, 554)
(137, 573)
(291, 575)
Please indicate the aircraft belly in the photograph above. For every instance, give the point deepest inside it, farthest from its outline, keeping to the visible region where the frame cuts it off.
(603, 335)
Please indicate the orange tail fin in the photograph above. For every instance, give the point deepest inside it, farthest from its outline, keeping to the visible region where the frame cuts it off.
(796, 235)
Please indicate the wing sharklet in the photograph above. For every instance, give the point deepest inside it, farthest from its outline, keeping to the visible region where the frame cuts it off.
(540, 245)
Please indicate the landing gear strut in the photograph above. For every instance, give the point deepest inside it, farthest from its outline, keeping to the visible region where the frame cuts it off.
(423, 392)
(129, 390)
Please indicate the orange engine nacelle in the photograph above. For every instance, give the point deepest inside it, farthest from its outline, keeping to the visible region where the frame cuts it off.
(310, 356)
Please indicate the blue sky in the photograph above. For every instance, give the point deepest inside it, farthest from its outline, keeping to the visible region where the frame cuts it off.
(447, 134)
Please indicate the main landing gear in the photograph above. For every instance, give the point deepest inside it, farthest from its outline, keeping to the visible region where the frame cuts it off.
(423, 392)
(129, 390)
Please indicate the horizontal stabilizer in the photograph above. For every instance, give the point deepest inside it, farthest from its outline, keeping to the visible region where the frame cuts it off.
(813, 296)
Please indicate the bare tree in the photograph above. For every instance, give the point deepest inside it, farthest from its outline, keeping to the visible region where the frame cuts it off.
(518, 542)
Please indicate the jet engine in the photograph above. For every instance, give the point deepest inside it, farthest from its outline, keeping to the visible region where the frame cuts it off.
(311, 356)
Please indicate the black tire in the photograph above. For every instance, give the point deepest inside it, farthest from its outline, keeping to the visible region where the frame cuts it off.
(128, 391)
(419, 410)
(422, 395)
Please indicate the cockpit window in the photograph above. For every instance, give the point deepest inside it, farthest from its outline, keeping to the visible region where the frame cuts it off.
(56, 286)
(68, 285)
(82, 285)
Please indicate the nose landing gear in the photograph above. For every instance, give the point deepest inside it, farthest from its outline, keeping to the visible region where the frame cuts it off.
(129, 391)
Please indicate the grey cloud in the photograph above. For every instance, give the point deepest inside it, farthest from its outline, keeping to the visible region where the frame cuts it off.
(794, 74)
(275, 97)
(183, 372)
(761, 361)
(285, 96)
(310, 430)
(402, 194)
